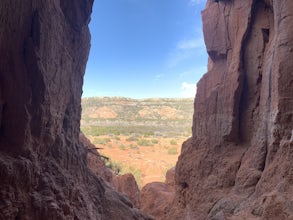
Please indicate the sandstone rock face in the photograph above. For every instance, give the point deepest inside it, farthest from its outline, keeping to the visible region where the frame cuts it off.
(95, 162)
(44, 46)
(238, 162)
(156, 199)
(170, 177)
(127, 184)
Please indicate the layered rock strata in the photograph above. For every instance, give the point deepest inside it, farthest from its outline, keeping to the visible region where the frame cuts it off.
(238, 162)
(44, 46)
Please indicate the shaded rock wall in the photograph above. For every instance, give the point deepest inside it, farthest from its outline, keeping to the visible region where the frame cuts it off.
(44, 46)
(157, 197)
(238, 162)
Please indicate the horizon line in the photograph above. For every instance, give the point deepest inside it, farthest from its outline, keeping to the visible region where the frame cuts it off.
(126, 97)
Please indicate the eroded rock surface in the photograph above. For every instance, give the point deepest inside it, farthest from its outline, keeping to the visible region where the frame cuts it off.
(157, 197)
(95, 161)
(170, 177)
(127, 184)
(44, 46)
(238, 162)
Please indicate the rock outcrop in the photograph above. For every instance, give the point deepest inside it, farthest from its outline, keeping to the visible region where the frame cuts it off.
(126, 184)
(170, 177)
(95, 162)
(238, 162)
(43, 172)
(157, 197)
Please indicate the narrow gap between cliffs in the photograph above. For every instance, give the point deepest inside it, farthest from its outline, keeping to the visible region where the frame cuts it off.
(140, 84)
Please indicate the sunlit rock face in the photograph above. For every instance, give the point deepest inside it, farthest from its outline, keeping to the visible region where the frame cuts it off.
(238, 163)
(44, 46)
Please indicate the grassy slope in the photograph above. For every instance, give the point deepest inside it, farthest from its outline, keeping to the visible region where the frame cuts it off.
(171, 117)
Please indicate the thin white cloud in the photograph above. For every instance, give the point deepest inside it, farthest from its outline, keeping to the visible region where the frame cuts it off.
(184, 50)
(158, 76)
(196, 2)
(188, 90)
(177, 57)
(198, 71)
(191, 44)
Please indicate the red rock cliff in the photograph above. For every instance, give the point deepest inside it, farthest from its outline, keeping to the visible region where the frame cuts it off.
(44, 46)
(239, 162)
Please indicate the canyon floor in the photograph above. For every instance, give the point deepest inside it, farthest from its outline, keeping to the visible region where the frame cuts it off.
(143, 137)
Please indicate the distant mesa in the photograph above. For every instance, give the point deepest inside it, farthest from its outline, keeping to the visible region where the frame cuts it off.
(104, 112)
(164, 112)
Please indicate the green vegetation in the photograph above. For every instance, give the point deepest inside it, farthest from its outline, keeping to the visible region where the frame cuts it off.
(101, 141)
(173, 142)
(119, 168)
(172, 151)
(155, 141)
(98, 130)
(145, 142)
(113, 165)
(122, 147)
(147, 117)
(133, 146)
(132, 138)
(114, 130)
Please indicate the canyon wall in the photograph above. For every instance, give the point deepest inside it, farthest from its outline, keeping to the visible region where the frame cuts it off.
(238, 164)
(44, 45)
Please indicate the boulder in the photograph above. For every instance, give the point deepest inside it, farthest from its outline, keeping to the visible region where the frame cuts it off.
(127, 185)
(156, 198)
(170, 177)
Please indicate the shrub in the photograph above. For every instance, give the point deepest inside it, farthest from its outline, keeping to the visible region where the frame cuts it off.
(172, 151)
(144, 142)
(132, 138)
(173, 142)
(155, 141)
(101, 141)
(113, 165)
(148, 133)
(122, 147)
(132, 146)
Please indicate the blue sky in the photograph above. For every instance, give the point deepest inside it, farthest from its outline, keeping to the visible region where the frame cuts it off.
(145, 48)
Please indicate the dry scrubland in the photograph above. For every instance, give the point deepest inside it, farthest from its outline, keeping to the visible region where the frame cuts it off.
(143, 137)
